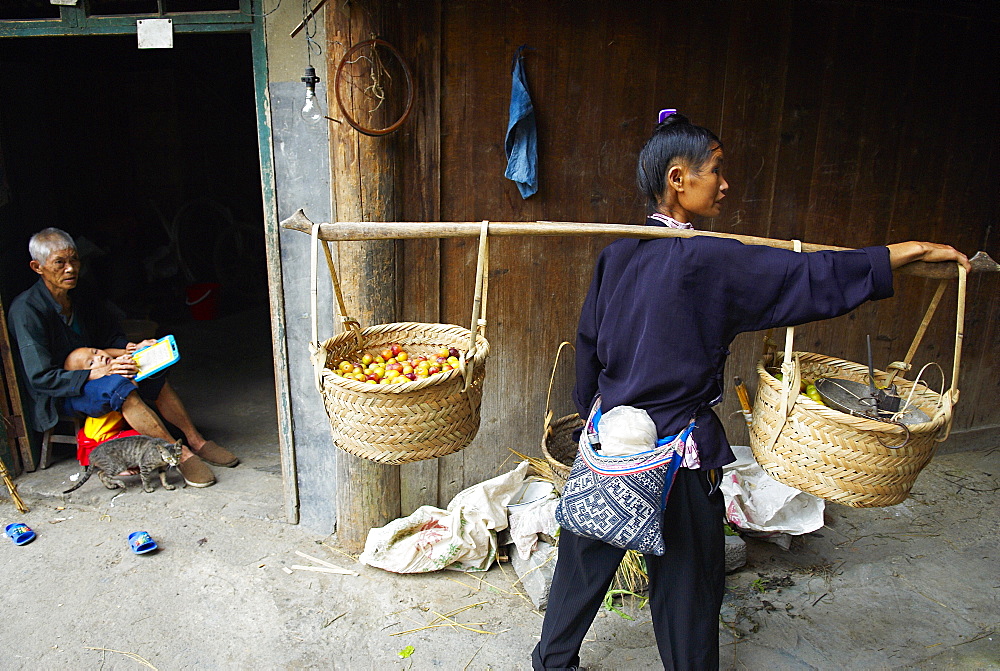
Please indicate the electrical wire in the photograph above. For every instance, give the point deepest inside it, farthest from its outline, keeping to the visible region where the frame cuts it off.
(309, 30)
(265, 14)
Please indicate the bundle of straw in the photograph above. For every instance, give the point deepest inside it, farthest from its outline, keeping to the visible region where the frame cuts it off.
(630, 584)
(12, 488)
(631, 575)
(631, 579)
(537, 467)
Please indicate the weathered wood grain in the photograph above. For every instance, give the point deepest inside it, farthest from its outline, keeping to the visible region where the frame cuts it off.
(364, 178)
(842, 122)
(420, 199)
(18, 428)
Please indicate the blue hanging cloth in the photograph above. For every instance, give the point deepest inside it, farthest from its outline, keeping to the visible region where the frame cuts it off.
(521, 143)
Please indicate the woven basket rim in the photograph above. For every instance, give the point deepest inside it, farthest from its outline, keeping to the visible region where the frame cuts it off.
(555, 425)
(482, 352)
(854, 422)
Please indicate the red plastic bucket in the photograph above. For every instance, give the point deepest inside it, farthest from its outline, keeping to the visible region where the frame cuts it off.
(203, 300)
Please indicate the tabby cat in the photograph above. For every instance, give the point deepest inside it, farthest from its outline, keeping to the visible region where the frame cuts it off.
(118, 455)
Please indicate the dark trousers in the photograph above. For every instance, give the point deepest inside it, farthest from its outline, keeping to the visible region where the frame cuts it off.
(685, 584)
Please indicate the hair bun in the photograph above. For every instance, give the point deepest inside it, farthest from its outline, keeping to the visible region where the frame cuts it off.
(674, 119)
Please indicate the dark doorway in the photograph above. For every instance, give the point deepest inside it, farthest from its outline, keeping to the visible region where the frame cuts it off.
(149, 157)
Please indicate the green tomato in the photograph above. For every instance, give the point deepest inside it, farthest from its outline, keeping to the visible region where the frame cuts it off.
(813, 393)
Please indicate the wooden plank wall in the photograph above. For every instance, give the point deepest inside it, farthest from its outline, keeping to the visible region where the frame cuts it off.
(849, 123)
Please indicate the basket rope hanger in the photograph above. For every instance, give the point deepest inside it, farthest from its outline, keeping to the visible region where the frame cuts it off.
(316, 352)
(791, 371)
(478, 327)
(466, 364)
(360, 230)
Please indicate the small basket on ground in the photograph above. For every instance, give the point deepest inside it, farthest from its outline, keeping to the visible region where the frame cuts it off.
(558, 445)
(408, 421)
(844, 458)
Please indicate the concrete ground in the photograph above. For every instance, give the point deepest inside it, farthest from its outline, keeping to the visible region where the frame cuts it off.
(912, 586)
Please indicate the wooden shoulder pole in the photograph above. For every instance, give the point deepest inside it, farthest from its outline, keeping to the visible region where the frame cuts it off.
(384, 230)
(363, 170)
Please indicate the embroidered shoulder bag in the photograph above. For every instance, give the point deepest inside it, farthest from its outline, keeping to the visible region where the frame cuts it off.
(620, 500)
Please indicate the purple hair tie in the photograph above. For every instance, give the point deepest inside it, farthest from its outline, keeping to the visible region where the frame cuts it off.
(665, 113)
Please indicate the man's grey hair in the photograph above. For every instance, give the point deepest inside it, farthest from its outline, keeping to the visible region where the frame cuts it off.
(45, 242)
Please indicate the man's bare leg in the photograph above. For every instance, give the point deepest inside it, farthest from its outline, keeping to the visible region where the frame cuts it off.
(142, 418)
(173, 410)
(170, 406)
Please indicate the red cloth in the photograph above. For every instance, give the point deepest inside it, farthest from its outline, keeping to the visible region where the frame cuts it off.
(85, 445)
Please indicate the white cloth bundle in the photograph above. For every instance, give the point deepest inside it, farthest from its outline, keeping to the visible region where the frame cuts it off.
(625, 430)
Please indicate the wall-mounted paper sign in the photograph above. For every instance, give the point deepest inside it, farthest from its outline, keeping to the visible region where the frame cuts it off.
(155, 33)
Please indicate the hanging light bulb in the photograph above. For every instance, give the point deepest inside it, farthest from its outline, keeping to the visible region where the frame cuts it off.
(312, 110)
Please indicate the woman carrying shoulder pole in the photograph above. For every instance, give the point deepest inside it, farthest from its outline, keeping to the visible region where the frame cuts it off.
(654, 333)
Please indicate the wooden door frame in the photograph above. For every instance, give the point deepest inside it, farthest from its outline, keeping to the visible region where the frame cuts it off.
(77, 21)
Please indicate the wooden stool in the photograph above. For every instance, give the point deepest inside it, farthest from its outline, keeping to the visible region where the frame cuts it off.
(53, 435)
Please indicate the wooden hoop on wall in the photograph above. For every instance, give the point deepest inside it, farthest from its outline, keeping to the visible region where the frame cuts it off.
(410, 90)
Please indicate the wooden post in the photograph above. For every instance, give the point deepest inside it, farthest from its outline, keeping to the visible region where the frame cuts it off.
(364, 187)
(18, 428)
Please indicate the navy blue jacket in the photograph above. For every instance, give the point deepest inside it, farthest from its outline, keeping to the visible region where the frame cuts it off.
(43, 340)
(660, 315)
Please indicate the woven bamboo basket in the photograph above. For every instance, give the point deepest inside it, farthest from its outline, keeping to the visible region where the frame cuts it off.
(410, 421)
(558, 446)
(840, 457)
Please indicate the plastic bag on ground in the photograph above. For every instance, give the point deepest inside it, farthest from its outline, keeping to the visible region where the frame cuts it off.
(461, 538)
(758, 502)
(532, 512)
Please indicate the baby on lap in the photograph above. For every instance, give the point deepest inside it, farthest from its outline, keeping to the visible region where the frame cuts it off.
(86, 358)
(96, 430)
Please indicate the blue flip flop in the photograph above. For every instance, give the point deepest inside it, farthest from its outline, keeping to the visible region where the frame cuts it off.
(141, 542)
(20, 533)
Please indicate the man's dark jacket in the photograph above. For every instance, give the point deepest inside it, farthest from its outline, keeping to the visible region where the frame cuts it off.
(43, 340)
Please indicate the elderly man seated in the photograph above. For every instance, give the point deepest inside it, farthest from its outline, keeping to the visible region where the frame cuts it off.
(47, 324)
